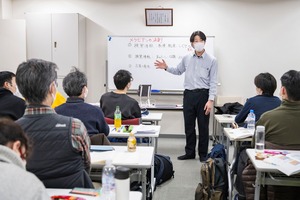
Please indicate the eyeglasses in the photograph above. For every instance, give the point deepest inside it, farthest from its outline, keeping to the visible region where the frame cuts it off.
(22, 155)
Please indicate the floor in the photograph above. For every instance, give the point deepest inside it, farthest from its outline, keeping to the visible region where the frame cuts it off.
(187, 172)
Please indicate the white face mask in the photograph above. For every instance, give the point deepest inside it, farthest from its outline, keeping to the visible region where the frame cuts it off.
(198, 46)
(86, 92)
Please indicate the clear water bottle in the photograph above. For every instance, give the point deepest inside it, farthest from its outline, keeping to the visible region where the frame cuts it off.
(117, 118)
(108, 182)
(251, 121)
(260, 139)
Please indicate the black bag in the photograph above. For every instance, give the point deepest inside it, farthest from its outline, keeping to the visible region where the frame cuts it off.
(163, 168)
(229, 108)
(214, 184)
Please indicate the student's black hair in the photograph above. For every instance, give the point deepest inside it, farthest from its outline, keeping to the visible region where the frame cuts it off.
(122, 78)
(200, 34)
(266, 82)
(6, 76)
(291, 81)
(12, 132)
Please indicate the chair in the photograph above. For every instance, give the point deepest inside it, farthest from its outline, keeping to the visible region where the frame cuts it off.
(99, 139)
(134, 121)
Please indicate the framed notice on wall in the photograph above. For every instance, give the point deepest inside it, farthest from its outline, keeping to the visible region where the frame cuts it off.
(159, 16)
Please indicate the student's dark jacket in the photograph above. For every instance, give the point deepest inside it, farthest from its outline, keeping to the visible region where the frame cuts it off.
(11, 106)
(54, 160)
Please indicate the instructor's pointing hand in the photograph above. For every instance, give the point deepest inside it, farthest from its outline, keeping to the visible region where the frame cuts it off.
(161, 64)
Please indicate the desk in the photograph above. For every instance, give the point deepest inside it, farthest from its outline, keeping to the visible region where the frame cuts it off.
(152, 136)
(172, 107)
(152, 117)
(220, 121)
(237, 141)
(55, 191)
(262, 168)
(142, 159)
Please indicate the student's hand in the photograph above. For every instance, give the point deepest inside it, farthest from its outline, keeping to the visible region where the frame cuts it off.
(160, 64)
(234, 125)
(208, 106)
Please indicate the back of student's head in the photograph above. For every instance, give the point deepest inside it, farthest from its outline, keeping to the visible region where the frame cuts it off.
(122, 78)
(291, 81)
(74, 82)
(11, 132)
(6, 76)
(34, 78)
(266, 82)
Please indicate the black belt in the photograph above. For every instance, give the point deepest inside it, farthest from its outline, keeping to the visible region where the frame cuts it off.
(198, 90)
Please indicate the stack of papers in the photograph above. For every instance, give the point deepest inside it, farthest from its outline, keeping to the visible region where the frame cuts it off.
(241, 133)
(288, 164)
(145, 129)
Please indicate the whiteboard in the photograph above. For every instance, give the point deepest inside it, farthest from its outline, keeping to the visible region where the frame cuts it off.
(137, 54)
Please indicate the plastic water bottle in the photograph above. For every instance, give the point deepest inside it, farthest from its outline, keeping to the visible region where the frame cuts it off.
(251, 121)
(117, 118)
(260, 139)
(108, 182)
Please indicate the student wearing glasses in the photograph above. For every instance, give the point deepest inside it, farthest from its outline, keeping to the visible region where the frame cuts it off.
(129, 107)
(16, 182)
(60, 155)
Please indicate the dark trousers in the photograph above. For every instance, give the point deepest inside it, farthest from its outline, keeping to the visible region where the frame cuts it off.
(193, 108)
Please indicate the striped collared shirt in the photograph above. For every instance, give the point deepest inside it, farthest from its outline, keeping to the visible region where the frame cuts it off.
(80, 138)
(200, 72)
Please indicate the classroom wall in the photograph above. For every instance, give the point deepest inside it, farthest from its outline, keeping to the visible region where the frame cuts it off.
(251, 36)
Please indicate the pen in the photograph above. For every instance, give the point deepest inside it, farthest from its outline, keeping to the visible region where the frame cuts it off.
(275, 152)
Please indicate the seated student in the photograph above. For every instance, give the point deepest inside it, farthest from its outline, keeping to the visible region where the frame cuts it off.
(129, 107)
(11, 106)
(75, 86)
(282, 127)
(264, 100)
(15, 182)
(60, 156)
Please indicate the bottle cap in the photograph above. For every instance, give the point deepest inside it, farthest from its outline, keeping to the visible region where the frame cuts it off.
(252, 111)
(260, 128)
(122, 173)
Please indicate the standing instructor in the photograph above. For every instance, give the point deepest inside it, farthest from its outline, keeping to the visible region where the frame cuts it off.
(200, 86)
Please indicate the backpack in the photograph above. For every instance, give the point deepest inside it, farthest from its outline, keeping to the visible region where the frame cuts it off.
(163, 169)
(214, 184)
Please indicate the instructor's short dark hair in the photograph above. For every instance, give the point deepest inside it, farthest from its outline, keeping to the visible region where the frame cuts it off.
(200, 34)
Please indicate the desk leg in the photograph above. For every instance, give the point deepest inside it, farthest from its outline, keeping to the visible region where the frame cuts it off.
(154, 144)
(144, 183)
(257, 185)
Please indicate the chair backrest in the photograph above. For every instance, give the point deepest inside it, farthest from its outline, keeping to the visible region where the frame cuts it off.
(134, 121)
(99, 139)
